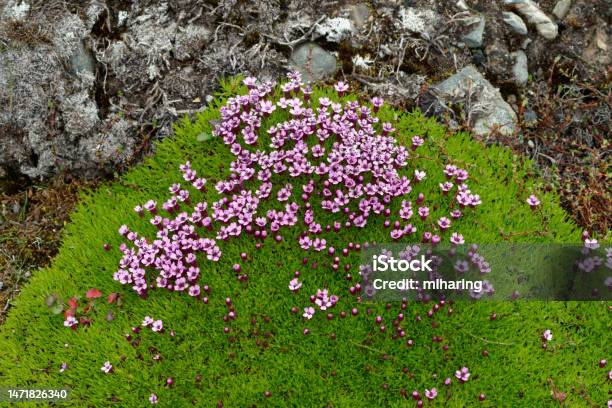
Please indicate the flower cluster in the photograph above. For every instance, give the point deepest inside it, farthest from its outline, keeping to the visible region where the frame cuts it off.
(156, 325)
(353, 165)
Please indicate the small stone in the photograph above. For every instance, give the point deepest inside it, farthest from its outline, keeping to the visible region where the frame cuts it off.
(473, 39)
(313, 62)
(561, 8)
(515, 22)
(520, 70)
(545, 26)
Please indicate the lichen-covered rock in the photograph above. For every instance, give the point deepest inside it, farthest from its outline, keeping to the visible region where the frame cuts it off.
(418, 21)
(335, 29)
(313, 62)
(485, 106)
(70, 70)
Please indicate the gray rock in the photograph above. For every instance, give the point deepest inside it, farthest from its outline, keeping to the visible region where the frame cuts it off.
(335, 29)
(473, 38)
(561, 8)
(313, 62)
(520, 70)
(487, 109)
(515, 22)
(544, 24)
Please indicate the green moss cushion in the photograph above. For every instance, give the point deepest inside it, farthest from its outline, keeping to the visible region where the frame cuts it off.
(266, 349)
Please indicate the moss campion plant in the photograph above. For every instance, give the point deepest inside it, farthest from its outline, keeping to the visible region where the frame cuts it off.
(243, 234)
(337, 158)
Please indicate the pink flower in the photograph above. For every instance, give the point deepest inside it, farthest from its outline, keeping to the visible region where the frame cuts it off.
(250, 82)
(457, 239)
(423, 212)
(157, 326)
(194, 290)
(71, 322)
(123, 230)
(341, 87)
(147, 321)
(461, 266)
(107, 367)
(309, 312)
(377, 103)
(463, 375)
(416, 142)
(446, 187)
(547, 335)
(295, 285)
(324, 300)
(419, 175)
(387, 128)
(591, 243)
(319, 244)
(533, 201)
(444, 223)
(447, 381)
(431, 394)
(153, 399)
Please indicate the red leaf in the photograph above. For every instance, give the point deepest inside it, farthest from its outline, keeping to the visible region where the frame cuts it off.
(112, 297)
(93, 293)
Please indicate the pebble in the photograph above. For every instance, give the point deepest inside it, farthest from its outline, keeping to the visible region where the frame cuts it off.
(515, 22)
(520, 70)
(561, 8)
(473, 39)
(545, 26)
